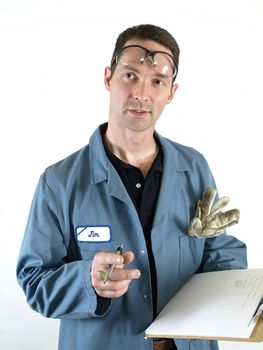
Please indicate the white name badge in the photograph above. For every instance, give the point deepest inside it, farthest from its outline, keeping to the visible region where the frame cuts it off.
(93, 234)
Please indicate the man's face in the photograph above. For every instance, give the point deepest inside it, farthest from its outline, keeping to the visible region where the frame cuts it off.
(138, 91)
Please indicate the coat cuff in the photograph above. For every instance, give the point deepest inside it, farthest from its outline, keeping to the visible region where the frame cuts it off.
(98, 306)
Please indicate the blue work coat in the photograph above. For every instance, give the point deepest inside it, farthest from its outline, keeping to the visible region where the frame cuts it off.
(81, 207)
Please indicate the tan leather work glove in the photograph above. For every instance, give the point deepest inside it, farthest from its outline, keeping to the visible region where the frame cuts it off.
(209, 221)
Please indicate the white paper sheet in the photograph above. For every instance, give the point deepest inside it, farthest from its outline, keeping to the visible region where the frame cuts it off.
(215, 304)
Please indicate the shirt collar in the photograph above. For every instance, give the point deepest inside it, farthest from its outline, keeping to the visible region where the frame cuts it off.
(117, 162)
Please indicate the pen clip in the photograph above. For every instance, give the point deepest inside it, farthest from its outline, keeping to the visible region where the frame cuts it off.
(109, 271)
(119, 249)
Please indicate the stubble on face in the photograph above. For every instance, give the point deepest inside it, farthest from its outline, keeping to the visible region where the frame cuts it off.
(137, 115)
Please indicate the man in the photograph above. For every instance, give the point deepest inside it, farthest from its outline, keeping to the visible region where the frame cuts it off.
(128, 187)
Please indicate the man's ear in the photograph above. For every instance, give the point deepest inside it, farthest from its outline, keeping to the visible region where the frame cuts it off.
(172, 92)
(107, 76)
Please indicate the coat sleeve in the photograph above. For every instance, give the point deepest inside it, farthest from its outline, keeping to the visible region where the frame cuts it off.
(224, 252)
(54, 285)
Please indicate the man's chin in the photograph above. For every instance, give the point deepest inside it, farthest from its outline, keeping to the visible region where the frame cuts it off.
(139, 124)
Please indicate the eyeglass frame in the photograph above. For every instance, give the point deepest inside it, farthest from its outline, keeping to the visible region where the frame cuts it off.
(149, 53)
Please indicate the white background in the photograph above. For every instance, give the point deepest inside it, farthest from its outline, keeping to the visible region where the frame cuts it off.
(52, 97)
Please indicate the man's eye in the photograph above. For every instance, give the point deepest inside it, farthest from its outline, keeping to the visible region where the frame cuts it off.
(163, 82)
(158, 83)
(130, 76)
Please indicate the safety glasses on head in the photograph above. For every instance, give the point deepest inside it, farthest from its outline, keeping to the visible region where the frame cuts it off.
(161, 61)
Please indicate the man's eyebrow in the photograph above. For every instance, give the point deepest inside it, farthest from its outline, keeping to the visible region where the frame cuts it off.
(129, 67)
(163, 76)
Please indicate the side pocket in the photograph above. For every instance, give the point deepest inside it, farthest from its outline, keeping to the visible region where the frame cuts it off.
(203, 344)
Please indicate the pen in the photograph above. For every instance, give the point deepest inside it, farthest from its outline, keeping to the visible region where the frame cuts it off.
(108, 272)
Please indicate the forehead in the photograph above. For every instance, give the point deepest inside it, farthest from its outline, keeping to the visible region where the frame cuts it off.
(140, 59)
(149, 44)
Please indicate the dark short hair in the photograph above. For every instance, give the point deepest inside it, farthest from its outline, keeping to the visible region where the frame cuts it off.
(148, 32)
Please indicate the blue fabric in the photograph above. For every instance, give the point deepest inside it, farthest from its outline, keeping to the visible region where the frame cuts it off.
(84, 189)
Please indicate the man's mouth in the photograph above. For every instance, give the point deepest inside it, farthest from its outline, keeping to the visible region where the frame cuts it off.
(138, 112)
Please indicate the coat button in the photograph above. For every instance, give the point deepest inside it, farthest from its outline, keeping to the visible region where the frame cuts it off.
(142, 252)
(138, 185)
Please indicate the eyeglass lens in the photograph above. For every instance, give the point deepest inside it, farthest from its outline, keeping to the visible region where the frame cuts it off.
(161, 62)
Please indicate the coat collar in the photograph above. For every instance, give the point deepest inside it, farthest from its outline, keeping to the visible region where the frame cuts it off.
(102, 169)
(99, 163)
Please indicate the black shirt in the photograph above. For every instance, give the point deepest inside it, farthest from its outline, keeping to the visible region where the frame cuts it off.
(144, 194)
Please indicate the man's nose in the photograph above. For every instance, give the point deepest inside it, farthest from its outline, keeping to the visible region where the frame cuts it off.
(141, 92)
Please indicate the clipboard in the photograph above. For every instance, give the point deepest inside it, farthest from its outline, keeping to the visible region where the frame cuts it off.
(218, 305)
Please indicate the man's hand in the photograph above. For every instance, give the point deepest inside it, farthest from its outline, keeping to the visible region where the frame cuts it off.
(120, 278)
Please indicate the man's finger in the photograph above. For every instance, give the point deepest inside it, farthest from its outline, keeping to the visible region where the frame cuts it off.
(108, 258)
(125, 274)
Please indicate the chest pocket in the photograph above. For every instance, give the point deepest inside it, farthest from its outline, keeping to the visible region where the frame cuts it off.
(93, 239)
(190, 256)
(89, 250)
